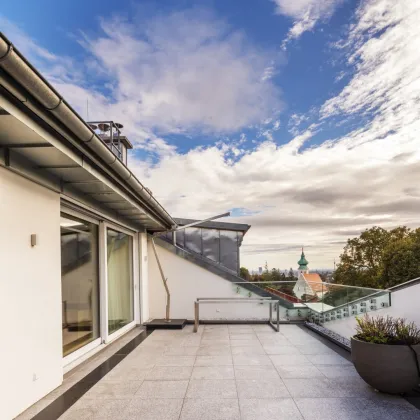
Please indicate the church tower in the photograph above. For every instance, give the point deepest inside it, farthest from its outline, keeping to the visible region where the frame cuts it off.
(303, 264)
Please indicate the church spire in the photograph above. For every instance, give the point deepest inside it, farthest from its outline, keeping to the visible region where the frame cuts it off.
(303, 263)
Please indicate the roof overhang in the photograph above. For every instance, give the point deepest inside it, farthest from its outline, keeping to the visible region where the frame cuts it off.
(54, 147)
(239, 227)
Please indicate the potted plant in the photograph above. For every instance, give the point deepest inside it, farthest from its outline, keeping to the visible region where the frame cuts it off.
(386, 353)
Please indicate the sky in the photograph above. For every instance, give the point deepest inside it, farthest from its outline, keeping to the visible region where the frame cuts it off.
(301, 117)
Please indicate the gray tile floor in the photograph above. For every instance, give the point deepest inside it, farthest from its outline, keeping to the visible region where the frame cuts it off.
(231, 372)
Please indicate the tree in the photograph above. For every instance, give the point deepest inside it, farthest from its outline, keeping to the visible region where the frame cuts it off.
(401, 260)
(244, 273)
(379, 258)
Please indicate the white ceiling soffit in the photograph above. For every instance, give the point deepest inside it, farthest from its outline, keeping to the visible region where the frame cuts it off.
(24, 151)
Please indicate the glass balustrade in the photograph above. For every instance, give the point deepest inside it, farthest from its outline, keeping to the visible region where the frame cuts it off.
(332, 301)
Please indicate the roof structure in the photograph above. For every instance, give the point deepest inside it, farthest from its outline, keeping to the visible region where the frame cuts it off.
(314, 280)
(240, 227)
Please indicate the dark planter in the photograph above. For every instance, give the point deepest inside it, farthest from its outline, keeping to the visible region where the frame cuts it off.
(387, 368)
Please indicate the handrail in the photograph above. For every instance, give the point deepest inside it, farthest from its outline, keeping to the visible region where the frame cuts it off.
(238, 300)
(313, 282)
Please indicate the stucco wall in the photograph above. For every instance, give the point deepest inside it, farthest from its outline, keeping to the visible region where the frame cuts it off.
(30, 291)
(404, 304)
(188, 281)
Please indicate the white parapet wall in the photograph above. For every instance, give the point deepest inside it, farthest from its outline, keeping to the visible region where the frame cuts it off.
(188, 281)
(405, 303)
(30, 291)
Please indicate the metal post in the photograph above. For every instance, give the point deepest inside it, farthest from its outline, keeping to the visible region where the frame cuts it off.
(196, 316)
(278, 316)
(271, 312)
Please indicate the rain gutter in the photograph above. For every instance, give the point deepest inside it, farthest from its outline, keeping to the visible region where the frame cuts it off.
(21, 71)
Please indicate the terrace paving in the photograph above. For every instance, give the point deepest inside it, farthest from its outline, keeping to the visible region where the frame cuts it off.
(232, 372)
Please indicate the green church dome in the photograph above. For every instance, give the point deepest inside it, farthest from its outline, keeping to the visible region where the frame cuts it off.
(303, 263)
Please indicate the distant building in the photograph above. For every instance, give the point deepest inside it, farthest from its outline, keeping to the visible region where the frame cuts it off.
(259, 270)
(309, 284)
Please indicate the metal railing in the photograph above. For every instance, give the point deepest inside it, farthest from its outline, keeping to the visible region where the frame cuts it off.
(270, 302)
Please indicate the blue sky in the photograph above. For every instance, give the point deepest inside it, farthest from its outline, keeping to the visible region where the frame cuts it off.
(297, 114)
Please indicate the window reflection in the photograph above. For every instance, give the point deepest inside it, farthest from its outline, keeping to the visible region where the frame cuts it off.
(79, 282)
(120, 279)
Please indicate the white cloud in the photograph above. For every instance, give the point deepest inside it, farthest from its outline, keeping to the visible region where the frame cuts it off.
(186, 71)
(320, 196)
(293, 195)
(180, 73)
(305, 14)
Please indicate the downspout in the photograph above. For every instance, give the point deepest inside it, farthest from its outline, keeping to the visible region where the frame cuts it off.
(164, 280)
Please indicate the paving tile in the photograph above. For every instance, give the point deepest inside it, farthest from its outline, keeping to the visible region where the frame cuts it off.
(387, 407)
(162, 389)
(274, 341)
(289, 359)
(113, 390)
(218, 341)
(213, 361)
(247, 342)
(312, 388)
(181, 351)
(169, 373)
(256, 372)
(274, 349)
(261, 388)
(241, 331)
(213, 372)
(175, 361)
(315, 349)
(210, 409)
(338, 371)
(215, 335)
(354, 386)
(248, 360)
(157, 409)
(244, 336)
(327, 359)
(303, 341)
(269, 409)
(211, 388)
(192, 341)
(329, 409)
(215, 327)
(214, 350)
(262, 328)
(296, 371)
(126, 373)
(248, 350)
(86, 409)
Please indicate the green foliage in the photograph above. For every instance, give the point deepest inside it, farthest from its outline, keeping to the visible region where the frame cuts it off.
(379, 258)
(381, 330)
(271, 276)
(244, 273)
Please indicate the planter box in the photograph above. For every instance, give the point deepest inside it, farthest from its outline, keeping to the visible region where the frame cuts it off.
(387, 368)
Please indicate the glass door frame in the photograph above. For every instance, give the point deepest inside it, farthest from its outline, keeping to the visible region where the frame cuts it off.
(98, 341)
(103, 227)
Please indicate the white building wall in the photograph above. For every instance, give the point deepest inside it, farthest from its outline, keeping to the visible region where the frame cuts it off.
(30, 294)
(302, 287)
(188, 281)
(404, 304)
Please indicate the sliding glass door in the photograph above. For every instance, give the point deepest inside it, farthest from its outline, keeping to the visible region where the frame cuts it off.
(120, 279)
(79, 282)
